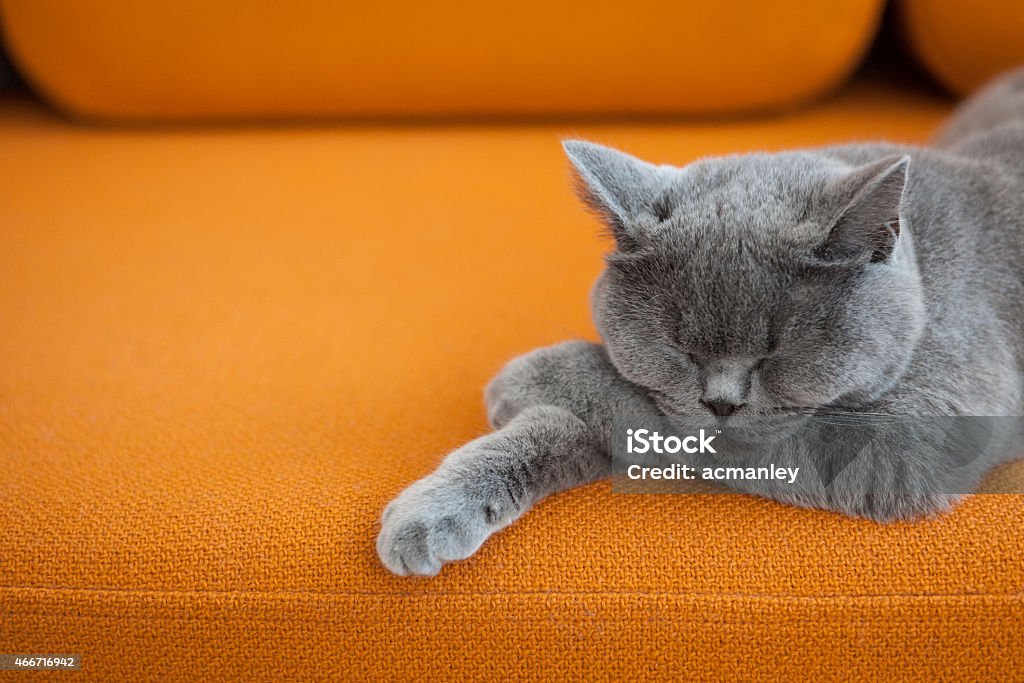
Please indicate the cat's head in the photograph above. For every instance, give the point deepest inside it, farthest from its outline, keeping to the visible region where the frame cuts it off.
(755, 285)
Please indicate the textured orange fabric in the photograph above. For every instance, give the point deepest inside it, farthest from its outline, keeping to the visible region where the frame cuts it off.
(193, 58)
(223, 350)
(965, 43)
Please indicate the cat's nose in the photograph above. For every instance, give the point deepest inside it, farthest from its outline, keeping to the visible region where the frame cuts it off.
(721, 408)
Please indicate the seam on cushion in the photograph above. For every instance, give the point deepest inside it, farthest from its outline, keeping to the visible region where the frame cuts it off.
(449, 594)
(180, 613)
(545, 618)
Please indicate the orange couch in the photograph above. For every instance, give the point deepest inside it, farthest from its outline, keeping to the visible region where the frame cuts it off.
(224, 348)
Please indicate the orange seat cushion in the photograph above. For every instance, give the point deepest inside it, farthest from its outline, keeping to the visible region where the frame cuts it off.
(962, 43)
(125, 59)
(223, 350)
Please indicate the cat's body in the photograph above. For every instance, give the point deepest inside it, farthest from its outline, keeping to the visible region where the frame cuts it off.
(863, 279)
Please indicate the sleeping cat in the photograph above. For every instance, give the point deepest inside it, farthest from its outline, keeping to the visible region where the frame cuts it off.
(868, 279)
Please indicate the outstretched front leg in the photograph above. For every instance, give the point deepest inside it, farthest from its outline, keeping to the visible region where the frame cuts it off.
(552, 411)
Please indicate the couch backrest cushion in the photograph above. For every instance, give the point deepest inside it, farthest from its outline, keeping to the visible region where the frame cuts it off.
(128, 59)
(965, 42)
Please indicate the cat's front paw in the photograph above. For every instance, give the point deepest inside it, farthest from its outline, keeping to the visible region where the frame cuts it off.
(437, 520)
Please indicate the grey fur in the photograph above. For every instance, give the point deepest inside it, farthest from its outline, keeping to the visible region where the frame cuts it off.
(861, 279)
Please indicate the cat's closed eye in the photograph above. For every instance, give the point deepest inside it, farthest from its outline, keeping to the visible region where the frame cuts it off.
(677, 354)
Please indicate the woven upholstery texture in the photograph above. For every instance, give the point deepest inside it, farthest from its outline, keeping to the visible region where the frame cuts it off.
(224, 349)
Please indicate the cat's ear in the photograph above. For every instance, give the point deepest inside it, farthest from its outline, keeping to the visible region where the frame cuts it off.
(620, 188)
(868, 228)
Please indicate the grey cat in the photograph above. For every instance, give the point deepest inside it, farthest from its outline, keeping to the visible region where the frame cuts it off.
(872, 279)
